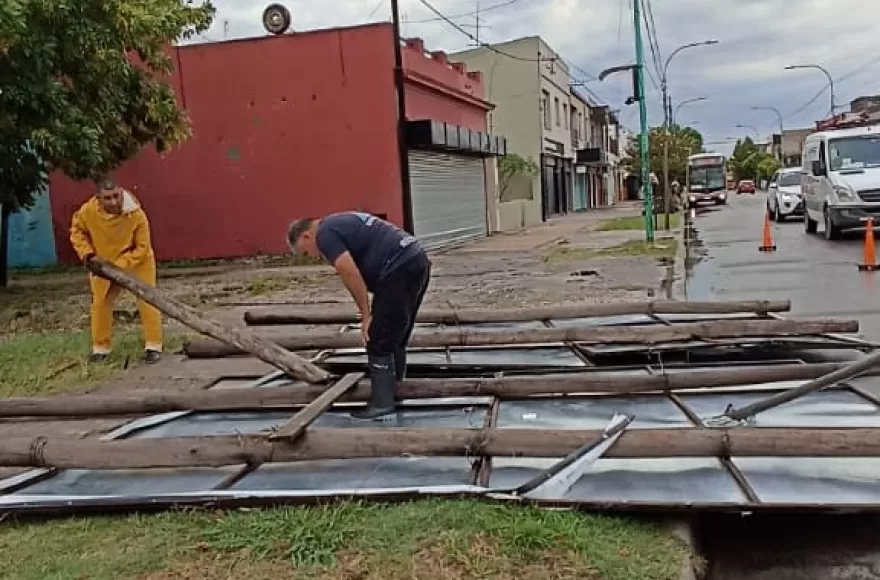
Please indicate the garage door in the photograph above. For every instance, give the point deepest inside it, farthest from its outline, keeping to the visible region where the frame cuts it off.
(448, 197)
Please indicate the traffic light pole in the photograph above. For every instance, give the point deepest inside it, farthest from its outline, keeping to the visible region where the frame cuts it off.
(645, 156)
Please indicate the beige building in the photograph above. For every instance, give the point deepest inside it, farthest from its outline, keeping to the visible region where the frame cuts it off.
(529, 85)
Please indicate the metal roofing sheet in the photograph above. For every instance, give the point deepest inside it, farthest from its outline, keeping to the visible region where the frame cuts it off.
(644, 482)
(659, 481)
(590, 413)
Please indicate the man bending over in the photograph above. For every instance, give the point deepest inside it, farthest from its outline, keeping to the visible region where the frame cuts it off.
(373, 256)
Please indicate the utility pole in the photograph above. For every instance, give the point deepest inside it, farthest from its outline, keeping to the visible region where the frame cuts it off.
(402, 150)
(667, 121)
(645, 156)
(667, 202)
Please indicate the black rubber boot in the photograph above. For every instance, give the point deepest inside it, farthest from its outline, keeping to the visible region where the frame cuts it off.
(383, 384)
(399, 368)
(400, 364)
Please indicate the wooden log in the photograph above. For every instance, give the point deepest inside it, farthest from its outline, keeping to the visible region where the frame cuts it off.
(306, 416)
(360, 443)
(656, 334)
(240, 340)
(515, 387)
(563, 311)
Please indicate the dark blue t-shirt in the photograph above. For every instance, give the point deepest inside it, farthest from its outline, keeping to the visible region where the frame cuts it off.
(377, 247)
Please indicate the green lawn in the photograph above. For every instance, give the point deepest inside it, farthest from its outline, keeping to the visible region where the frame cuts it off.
(431, 539)
(42, 363)
(662, 248)
(637, 223)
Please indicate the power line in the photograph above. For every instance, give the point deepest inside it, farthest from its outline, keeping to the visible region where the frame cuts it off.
(466, 14)
(651, 28)
(477, 41)
(376, 9)
(825, 87)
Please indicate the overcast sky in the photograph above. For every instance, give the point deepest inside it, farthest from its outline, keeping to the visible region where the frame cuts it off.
(758, 38)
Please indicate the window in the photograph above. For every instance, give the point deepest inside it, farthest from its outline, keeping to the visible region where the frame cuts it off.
(565, 116)
(556, 109)
(854, 152)
(545, 107)
(790, 179)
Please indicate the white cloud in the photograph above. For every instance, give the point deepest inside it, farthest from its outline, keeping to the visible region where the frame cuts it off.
(758, 39)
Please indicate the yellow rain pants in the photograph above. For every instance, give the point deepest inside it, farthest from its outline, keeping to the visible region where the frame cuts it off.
(123, 240)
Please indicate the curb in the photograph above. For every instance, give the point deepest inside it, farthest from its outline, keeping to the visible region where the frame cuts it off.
(678, 290)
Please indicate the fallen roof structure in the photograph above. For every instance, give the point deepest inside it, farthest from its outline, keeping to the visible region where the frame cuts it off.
(538, 422)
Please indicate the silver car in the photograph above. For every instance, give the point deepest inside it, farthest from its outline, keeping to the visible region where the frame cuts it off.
(784, 196)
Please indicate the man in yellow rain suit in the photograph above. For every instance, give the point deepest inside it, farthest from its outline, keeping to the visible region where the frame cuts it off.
(113, 226)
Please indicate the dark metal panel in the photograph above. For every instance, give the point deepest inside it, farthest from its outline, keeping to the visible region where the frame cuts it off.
(388, 473)
(232, 423)
(804, 480)
(836, 408)
(651, 412)
(130, 482)
(659, 481)
(501, 357)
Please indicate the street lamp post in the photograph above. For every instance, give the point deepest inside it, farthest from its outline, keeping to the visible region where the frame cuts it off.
(667, 106)
(683, 103)
(779, 118)
(757, 136)
(825, 72)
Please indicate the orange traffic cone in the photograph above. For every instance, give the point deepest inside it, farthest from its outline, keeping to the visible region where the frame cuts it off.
(767, 245)
(869, 262)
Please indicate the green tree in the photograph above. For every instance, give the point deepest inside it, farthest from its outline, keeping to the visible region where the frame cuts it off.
(510, 167)
(683, 141)
(750, 162)
(84, 86)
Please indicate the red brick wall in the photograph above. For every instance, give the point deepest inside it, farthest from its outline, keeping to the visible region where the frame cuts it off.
(284, 126)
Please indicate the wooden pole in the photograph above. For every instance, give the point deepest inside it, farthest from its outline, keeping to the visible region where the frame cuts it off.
(240, 340)
(720, 329)
(515, 387)
(298, 424)
(315, 444)
(478, 315)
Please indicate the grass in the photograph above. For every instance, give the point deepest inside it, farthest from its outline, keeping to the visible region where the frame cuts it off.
(663, 248)
(636, 223)
(45, 363)
(431, 539)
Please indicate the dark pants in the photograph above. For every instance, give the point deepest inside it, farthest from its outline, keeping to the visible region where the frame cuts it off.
(396, 301)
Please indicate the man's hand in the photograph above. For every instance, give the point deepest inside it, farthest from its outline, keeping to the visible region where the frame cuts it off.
(366, 321)
(87, 259)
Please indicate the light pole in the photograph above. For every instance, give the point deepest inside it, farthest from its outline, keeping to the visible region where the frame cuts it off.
(683, 103)
(757, 137)
(750, 128)
(664, 88)
(779, 118)
(825, 72)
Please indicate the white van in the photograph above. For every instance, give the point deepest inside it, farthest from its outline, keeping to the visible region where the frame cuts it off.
(841, 183)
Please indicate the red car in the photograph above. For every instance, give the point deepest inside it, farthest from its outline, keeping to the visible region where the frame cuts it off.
(746, 186)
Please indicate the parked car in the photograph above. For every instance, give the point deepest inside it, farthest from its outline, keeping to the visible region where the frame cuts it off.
(784, 195)
(842, 182)
(746, 186)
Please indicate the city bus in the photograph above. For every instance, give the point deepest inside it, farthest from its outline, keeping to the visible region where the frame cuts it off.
(706, 179)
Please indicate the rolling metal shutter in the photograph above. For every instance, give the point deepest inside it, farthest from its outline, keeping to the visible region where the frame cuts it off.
(448, 197)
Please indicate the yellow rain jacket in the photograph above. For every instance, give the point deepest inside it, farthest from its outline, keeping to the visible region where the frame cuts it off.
(123, 240)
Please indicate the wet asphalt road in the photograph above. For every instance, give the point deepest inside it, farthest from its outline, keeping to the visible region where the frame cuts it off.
(821, 278)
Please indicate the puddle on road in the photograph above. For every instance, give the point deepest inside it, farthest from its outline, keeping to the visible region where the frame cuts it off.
(698, 270)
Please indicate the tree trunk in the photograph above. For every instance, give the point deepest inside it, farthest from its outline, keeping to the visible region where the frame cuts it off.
(564, 311)
(514, 387)
(5, 212)
(315, 444)
(721, 329)
(240, 340)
